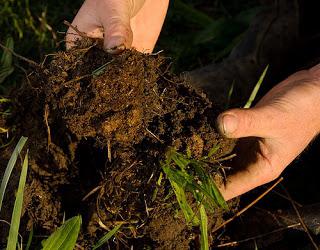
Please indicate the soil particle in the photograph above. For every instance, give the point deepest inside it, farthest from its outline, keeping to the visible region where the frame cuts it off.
(40, 206)
(169, 232)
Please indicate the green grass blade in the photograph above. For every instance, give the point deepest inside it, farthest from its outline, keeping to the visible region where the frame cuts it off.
(256, 89)
(208, 187)
(204, 242)
(5, 72)
(183, 203)
(178, 184)
(65, 237)
(217, 195)
(106, 237)
(176, 175)
(29, 239)
(213, 150)
(230, 92)
(101, 69)
(15, 220)
(180, 160)
(6, 67)
(6, 58)
(10, 167)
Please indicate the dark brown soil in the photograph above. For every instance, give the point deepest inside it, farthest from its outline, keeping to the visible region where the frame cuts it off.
(96, 139)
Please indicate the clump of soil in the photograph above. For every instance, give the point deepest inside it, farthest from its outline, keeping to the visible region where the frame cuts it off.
(98, 128)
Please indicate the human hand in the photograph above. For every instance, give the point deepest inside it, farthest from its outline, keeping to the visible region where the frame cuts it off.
(122, 23)
(282, 124)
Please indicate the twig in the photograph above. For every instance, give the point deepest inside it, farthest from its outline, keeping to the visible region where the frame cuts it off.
(229, 157)
(153, 135)
(79, 247)
(45, 58)
(26, 74)
(9, 224)
(286, 198)
(101, 224)
(19, 56)
(276, 216)
(248, 206)
(80, 33)
(46, 115)
(156, 53)
(300, 218)
(145, 204)
(236, 243)
(91, 192)
(109, 151)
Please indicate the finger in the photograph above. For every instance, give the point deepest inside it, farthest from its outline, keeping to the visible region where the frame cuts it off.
(258, 122)
(116, 24)
(150, 18)
(106, 18)
(264, 170)
(86, 22)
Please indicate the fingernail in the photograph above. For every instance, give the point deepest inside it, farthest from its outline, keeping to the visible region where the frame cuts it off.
(114, 42)
(228, 124)
(116, 50)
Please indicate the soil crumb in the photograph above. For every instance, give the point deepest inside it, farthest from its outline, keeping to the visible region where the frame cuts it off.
(98, 128)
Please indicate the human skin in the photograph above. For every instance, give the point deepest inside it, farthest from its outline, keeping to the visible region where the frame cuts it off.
(122, 23)
(283, 122)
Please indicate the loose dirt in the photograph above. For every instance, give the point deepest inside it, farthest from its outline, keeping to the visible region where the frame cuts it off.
(98, 128)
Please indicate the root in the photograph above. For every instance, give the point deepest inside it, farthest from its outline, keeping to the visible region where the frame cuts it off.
(46, 115)
(80, 33)
(33, 63)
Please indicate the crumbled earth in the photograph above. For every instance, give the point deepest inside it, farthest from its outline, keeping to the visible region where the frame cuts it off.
(98, 128)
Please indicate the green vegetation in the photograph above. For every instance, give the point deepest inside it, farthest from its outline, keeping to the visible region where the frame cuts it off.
(256, 88)
(6, 67)
(191, 176)
(106, 237)
(16, 214)
(204, 242)
(65, 236)
(10, 166)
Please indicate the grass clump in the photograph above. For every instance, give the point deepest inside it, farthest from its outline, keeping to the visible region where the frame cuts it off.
(187, 175)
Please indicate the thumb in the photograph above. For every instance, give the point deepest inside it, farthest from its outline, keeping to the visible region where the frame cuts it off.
(115, 19)
(116, 23)
(113, 16)
(237, 123)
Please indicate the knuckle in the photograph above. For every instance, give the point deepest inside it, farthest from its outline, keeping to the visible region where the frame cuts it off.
(248, 121)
